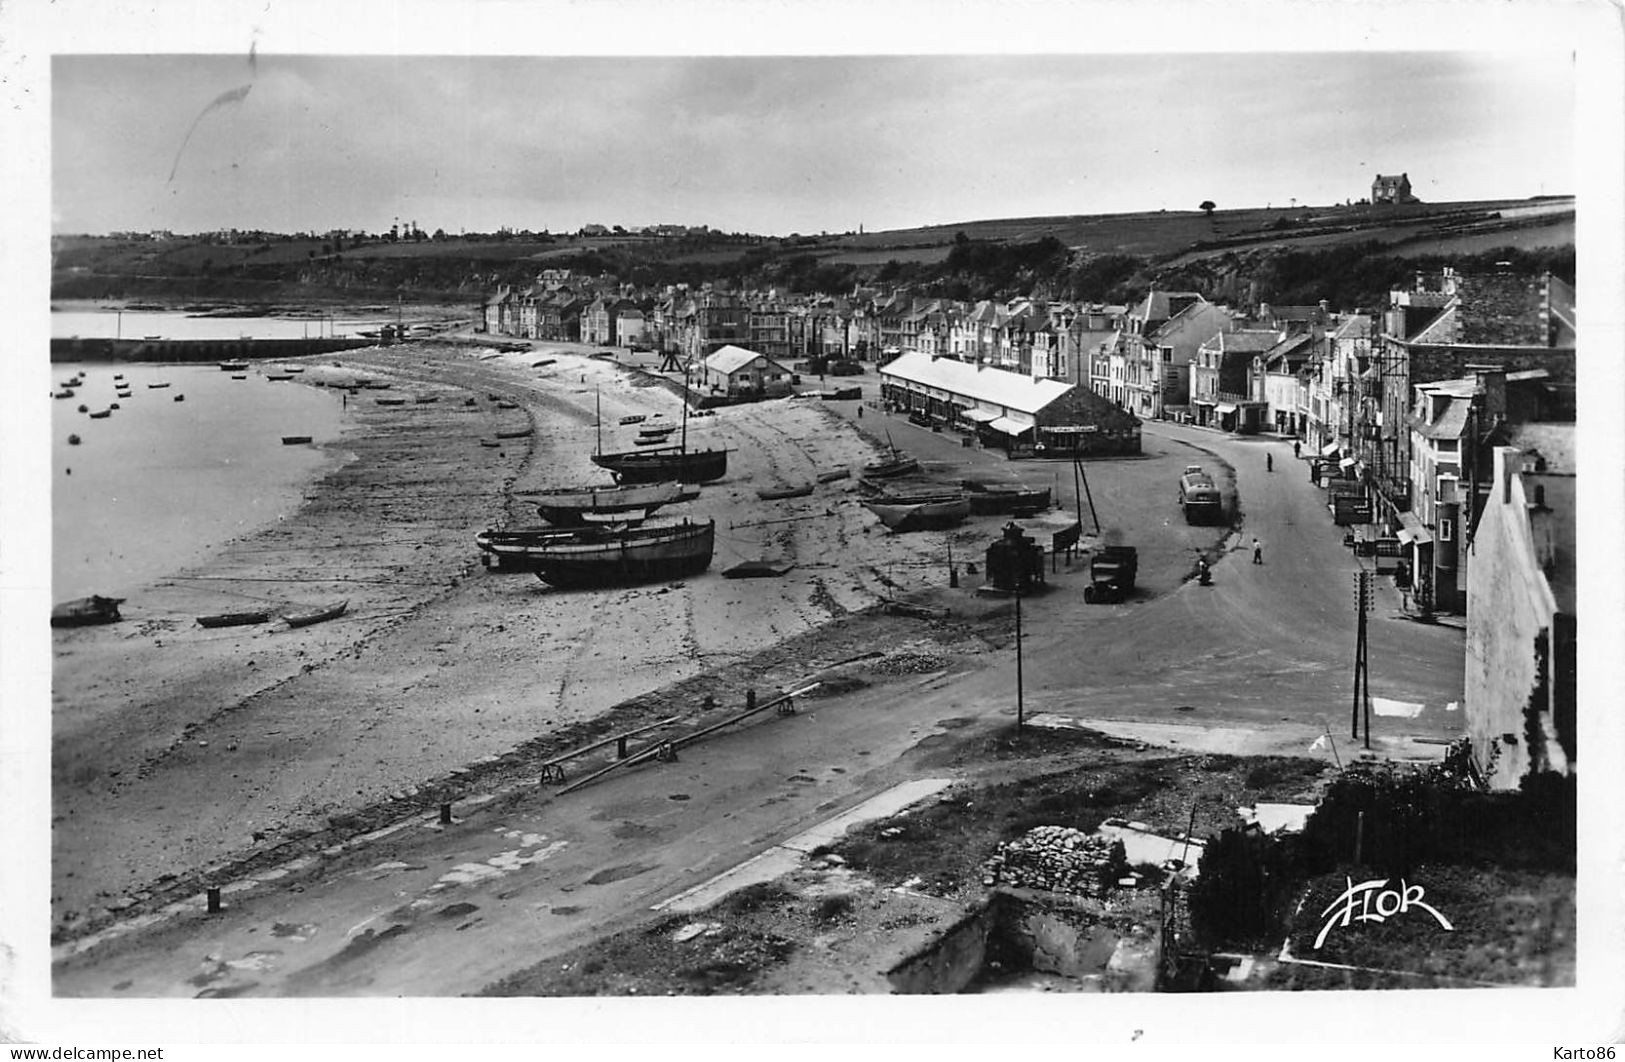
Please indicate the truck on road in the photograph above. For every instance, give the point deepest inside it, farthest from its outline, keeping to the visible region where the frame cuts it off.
(1111, 574)
(1200, 497)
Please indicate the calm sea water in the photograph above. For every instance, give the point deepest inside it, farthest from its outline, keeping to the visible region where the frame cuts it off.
(132, 324)
(160, 483)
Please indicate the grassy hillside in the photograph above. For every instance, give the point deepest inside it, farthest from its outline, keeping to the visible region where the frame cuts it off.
(1110, 256)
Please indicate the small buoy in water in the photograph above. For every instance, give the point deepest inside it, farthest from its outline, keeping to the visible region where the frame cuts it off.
(73, 440)
(70, 471)
(180, 398)
(84, 409)
(113, 406)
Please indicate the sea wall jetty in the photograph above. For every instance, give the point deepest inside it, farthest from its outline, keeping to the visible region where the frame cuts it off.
(188, 350)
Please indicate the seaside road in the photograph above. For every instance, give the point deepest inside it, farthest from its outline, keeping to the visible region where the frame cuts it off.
(1255, 663)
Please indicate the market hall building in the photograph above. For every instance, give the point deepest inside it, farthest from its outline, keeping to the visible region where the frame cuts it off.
(1024, 415)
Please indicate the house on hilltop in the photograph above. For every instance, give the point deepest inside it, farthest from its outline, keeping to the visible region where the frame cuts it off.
(1387, 189)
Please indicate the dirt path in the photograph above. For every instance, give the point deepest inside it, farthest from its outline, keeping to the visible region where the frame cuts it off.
(176, 747)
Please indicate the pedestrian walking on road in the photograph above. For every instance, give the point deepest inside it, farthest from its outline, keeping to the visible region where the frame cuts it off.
(1297, 448)
(1269, 462)
(1258, 551)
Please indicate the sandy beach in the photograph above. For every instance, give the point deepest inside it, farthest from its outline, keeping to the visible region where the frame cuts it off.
(178, 749)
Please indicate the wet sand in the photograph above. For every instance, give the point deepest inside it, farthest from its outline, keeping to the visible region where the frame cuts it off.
(177, 747)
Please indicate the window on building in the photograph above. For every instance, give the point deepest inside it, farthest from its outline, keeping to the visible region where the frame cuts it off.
(1447, 530)
(1167, 355)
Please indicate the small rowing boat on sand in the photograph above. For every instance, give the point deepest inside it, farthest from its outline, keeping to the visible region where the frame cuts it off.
(316, 615)
(775, 493)
(235, 619)
(295, 440)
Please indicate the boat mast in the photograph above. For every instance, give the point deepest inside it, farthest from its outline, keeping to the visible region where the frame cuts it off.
(683, 449)
(598, 417)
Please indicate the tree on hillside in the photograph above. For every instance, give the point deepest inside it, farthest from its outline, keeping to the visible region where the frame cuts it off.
(1207, 207)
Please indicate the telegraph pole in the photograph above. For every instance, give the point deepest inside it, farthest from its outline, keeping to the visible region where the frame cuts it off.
(1020, 712)
(1362, 675)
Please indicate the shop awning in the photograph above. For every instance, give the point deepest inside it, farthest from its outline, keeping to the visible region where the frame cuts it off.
(980, 416)
(1411, 530)
(1008, 426)
(1224, 409)
(1328, 450)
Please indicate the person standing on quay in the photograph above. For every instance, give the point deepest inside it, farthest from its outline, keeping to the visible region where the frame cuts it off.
(1258, 551)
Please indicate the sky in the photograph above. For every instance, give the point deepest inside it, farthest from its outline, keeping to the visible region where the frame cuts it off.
(776, 144)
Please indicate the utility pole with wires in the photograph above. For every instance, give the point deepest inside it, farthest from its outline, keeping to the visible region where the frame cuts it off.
(1362, 675)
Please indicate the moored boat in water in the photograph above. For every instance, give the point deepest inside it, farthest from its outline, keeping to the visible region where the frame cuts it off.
(295, 440)
(233, 366)
(615, 556)
(86, 611)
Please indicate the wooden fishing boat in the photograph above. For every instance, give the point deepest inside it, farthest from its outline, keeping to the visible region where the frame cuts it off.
(73, 440)
(66, 392)
(656, 431)
(638, 418)
(898, 464)
(316, 615)
(515, 433)
(122, 394)
(572, 506)
(544, 363)
(662, 464)
(235, 619)
(989, 500)
(834, 474)
(180, 398)
(278, 376)
(649, 440)
(101, 414)
(239, 376)
(390, 401)
(490, 444)
(86, 611)
(295, 440)
(233, 366)
(507, 405)
(654, 466)
(776, 493)
(510, 547)
(83, 408)
(920, 516)
(376, 385)
(293, 370)
(615, 556)
(156, 386)
(425, 399)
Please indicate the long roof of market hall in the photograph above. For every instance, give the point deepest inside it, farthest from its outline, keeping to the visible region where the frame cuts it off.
(997, 387)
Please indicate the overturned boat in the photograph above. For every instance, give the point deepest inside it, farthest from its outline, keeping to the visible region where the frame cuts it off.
(938, 515)
(615, 556)
(85, 611)
(573, 506)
